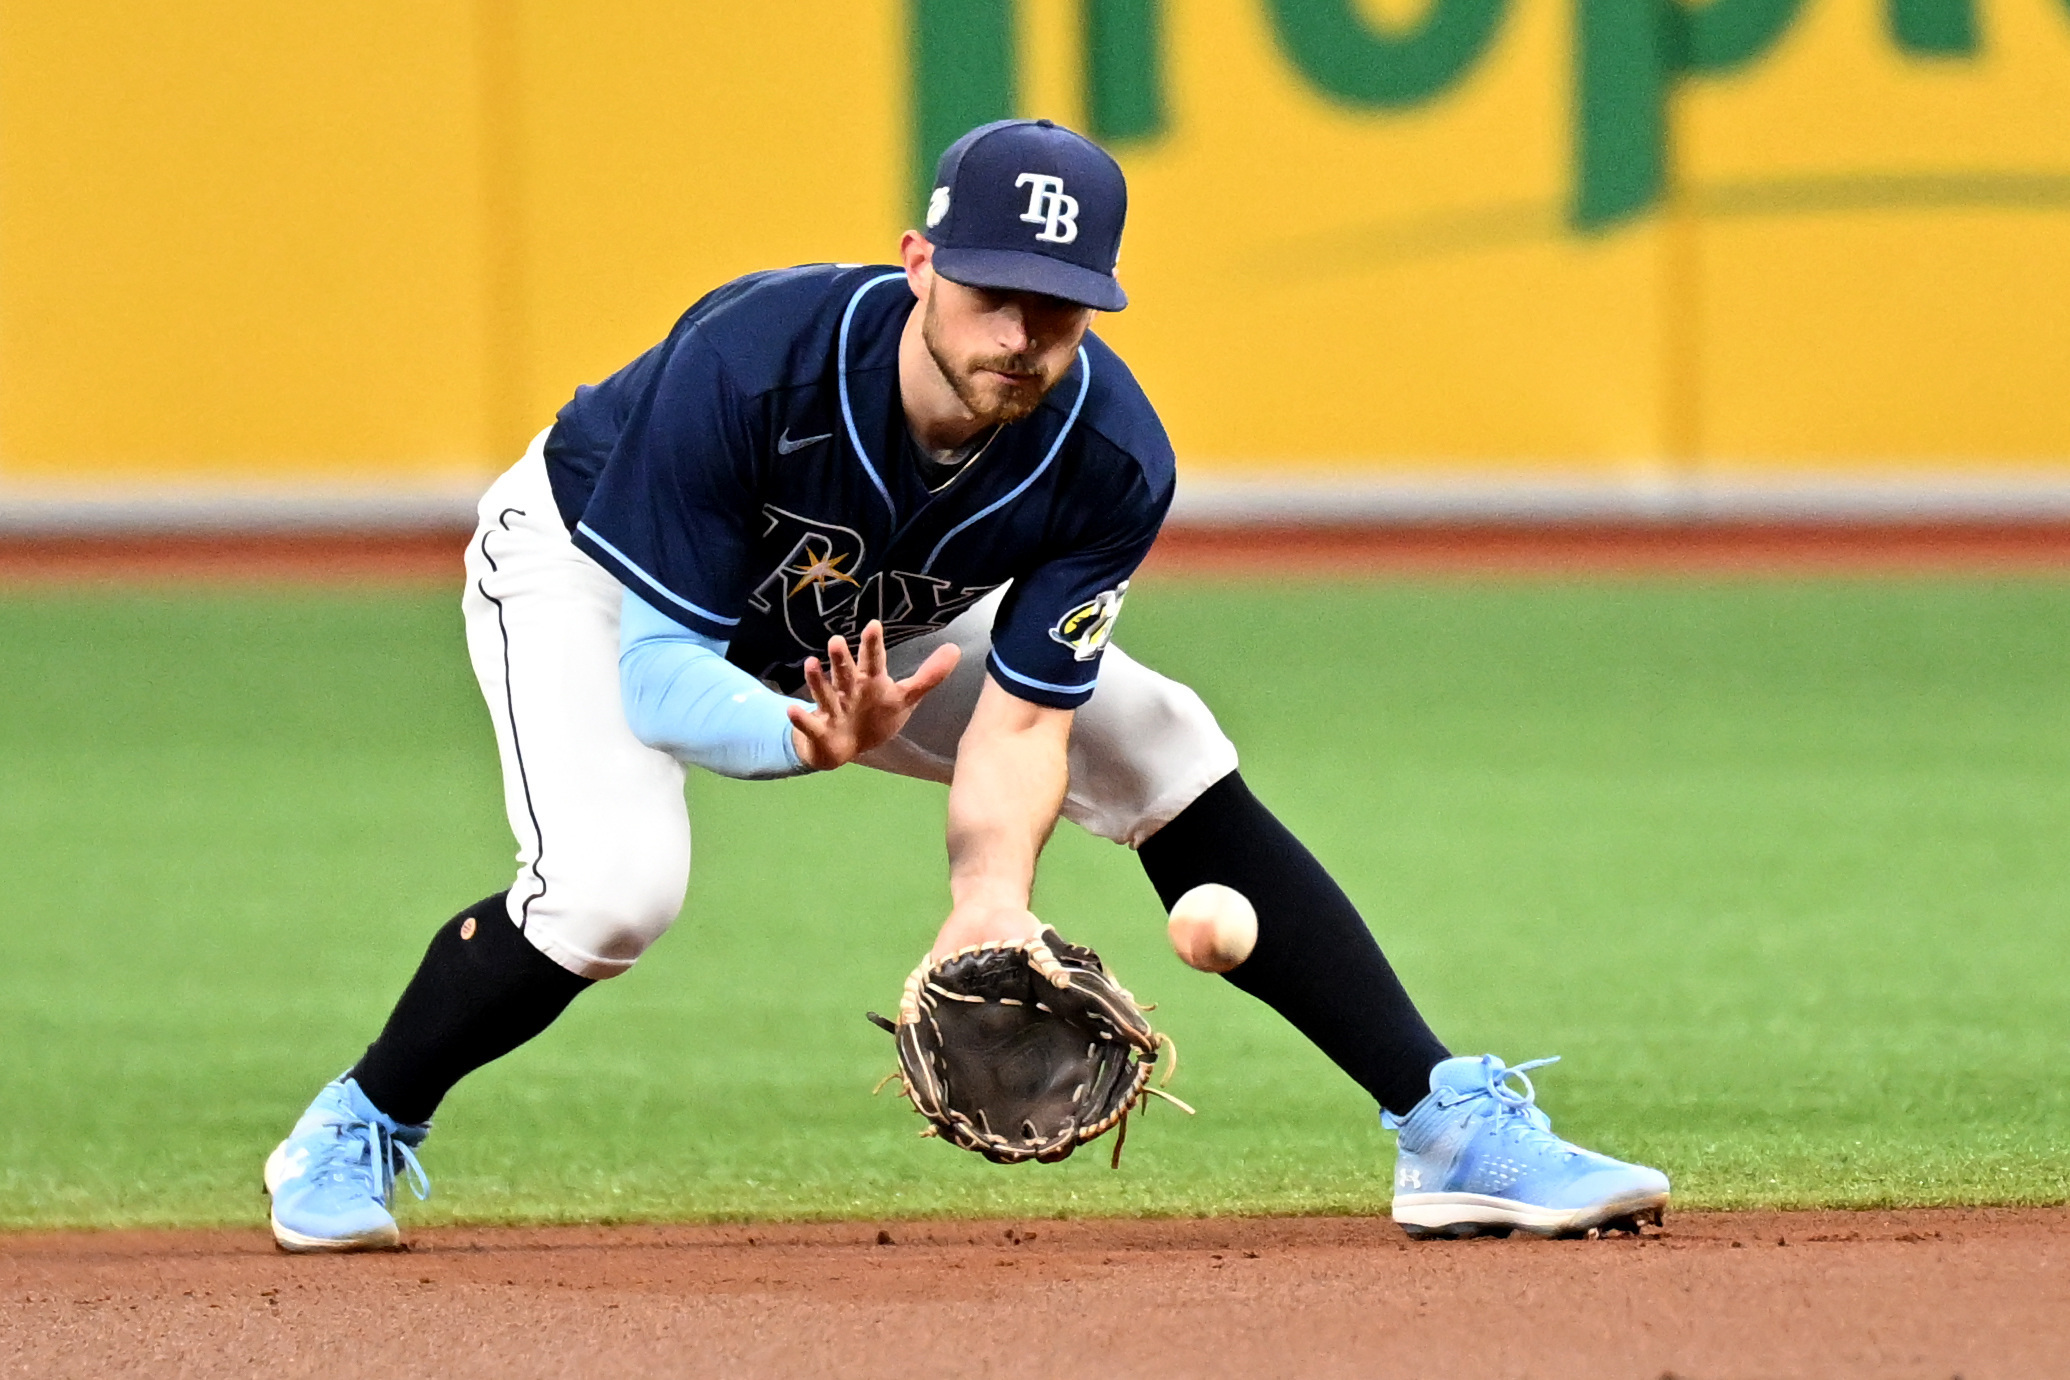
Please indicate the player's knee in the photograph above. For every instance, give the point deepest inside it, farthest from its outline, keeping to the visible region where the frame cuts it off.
(625, 923)
(1144, 756)
(1173, 724)
(599, 919)
(1191, 717)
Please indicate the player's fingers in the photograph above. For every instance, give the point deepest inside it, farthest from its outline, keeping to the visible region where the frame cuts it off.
(842, 665)
(932, 672)
(816, 682)
(871, 661)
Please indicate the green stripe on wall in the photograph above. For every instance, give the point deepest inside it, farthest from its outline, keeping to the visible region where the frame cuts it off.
(1935, 28)
(1124, 68)
(963, 76)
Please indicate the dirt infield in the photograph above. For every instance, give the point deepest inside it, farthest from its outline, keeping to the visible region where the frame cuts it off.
(1925, 1293)
(1248, 551)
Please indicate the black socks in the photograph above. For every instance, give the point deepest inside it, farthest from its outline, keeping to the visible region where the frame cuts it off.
(481, 991)
(1316, 963)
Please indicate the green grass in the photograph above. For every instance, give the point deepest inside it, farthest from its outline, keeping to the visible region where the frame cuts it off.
(1782, 869)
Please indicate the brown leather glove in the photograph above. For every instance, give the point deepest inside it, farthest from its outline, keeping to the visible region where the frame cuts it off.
(1024, 1051)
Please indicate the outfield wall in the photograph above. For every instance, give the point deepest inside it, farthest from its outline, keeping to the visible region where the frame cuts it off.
(1590, 243)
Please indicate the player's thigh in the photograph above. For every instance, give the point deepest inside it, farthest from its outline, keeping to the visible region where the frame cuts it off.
(926, 747)
(1143, 748)
(602, 831)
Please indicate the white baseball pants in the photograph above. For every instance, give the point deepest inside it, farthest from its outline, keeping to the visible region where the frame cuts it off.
(602, 829)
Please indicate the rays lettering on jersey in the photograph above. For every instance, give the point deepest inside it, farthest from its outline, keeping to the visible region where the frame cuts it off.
(816, 590)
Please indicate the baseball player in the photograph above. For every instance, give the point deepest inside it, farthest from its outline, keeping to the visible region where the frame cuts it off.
(883, 515)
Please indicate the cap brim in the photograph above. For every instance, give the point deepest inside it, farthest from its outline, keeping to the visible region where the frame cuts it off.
(1014, 270)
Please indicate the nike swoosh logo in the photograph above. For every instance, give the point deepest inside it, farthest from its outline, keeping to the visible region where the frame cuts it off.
(786, 446)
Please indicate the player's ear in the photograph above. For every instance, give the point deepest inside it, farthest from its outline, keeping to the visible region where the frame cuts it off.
(916, 252)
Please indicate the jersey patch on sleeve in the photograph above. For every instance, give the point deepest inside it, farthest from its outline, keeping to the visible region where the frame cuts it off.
(1086, 629)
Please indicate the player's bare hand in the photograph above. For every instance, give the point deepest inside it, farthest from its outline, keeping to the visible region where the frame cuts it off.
(981, 922)
(857, 704)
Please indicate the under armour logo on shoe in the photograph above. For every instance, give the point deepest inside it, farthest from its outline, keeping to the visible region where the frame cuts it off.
(1049, 208)
(1408, 1176)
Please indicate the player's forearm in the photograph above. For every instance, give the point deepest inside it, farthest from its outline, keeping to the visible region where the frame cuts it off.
(1000, 815)
(1011, 774)
(683, 697)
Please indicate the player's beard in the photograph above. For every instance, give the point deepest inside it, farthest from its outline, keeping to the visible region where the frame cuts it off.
(991, 399)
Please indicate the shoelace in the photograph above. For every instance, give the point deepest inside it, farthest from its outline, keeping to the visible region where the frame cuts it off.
(1518, 1111)
(366, 1150)
(1498, 1082)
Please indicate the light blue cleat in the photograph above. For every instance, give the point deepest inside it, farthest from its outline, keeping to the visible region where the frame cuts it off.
(332, 1178)
(1477, 1157)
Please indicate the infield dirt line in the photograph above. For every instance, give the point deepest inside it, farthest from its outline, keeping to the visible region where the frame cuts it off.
(1927, 1293)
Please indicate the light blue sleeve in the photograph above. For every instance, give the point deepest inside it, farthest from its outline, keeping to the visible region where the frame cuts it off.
(682, 696)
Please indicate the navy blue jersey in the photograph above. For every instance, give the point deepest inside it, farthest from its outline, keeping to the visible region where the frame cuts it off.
(751, 477)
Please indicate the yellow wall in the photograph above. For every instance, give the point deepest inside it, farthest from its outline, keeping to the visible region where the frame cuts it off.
(239, 234)
(1883, 267)
(1321, 286)
(388, 239)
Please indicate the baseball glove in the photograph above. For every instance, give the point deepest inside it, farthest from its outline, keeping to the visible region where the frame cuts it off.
(1024, 1051)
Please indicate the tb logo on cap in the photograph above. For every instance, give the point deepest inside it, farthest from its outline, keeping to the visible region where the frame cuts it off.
(1049, 208)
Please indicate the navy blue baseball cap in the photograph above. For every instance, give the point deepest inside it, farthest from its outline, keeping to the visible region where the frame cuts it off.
(1029, 206)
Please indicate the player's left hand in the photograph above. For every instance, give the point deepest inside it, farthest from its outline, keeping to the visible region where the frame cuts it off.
(859, 705)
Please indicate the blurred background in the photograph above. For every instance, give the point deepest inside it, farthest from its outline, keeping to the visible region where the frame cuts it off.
(1406, 255)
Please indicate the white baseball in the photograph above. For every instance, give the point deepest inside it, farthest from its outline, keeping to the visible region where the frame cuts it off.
(1213, 928)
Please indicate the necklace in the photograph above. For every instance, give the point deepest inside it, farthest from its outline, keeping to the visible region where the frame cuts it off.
(954, 467)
